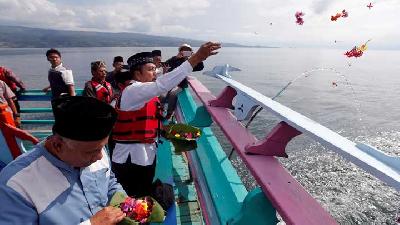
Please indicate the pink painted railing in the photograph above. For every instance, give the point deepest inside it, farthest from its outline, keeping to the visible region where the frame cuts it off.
(294, 204)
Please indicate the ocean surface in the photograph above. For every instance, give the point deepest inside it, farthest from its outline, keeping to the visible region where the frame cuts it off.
(358, 98)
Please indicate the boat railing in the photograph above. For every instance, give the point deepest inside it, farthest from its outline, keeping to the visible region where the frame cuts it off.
(36, 95)
(372, 160)
(222, 191)
(224, 199)
(280, 191)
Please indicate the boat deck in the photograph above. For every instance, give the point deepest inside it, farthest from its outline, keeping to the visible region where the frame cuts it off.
(174, 168)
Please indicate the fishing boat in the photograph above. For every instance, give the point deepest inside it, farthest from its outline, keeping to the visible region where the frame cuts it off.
(207, 187)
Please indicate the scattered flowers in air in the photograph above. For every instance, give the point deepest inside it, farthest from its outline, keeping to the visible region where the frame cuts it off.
(357, 51)
(137, 209)
(299, 17)
(343, 14)
(370, 5)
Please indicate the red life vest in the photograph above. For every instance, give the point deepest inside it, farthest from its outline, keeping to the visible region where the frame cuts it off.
(140, 126)
(103, 93)
(6, 115)
(10, 83)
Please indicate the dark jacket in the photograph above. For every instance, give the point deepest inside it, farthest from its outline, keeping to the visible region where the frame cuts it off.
(175, 62)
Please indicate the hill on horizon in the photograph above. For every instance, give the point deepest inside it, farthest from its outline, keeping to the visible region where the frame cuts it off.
(26, 37)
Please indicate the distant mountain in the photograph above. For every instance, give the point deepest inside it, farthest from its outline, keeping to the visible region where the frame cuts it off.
(25, 37)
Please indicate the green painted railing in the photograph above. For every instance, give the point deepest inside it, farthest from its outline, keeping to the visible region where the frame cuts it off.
(39, 121)
(230, 199)
(38, 95)
(36, 110)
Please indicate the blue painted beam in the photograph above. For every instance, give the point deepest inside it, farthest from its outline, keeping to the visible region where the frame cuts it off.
(36, 110)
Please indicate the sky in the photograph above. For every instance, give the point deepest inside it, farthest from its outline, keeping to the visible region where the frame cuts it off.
(248, 22)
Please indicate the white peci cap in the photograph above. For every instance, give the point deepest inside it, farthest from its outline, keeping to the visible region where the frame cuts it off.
(185, 46)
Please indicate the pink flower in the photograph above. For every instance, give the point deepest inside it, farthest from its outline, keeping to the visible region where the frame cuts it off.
(299, 17)
(344, 13)
(137, 209)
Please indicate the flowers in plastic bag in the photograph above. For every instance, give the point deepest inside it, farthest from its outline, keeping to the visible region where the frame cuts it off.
(138, 210)
(182, 136)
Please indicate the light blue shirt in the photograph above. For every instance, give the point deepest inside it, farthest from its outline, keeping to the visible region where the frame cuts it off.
(38, 188)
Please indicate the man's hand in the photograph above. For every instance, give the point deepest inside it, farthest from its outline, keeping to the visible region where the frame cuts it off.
(17, 121)
(204, 52)
(46, 89)
(166, 68)
(107, 216)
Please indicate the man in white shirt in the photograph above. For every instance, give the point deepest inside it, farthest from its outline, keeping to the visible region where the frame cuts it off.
(61, 80)
(133, 159)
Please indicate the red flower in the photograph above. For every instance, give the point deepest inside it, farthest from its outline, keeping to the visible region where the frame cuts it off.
(137, 209)
(334, 18)
(355, 52)
(299, 17)
(343, 14)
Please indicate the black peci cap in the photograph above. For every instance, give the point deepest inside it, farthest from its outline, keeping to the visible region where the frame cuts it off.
(156, 53)
(83, 118)
(140, 58)
(118, 59)
(122, 76)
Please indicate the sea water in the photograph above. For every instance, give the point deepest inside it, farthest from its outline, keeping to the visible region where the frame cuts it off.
(363, 107)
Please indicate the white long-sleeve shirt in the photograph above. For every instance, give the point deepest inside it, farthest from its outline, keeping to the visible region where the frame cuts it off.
(134, 97)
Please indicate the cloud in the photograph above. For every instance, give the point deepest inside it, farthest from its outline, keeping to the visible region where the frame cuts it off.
(138, 16)
(320, 6)
(29, 12)
(221, 20)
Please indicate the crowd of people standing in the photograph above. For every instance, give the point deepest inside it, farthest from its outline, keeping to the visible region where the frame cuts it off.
(70, 175)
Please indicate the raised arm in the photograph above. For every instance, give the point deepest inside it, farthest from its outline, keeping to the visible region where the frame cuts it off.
(11, 75)
(139, 93)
